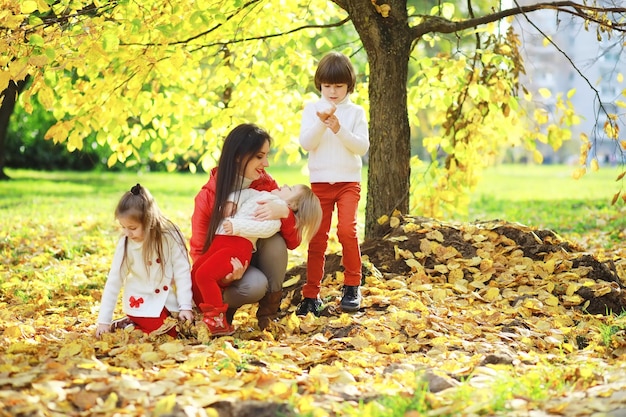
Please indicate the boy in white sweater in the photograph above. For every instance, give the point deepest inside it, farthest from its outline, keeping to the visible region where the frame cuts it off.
(334, 132)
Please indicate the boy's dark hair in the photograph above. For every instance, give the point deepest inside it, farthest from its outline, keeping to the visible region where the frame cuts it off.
(335, 68)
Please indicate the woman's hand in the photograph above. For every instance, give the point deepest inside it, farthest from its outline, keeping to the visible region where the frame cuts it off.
(101, 329)
(271, 210)
(238, 271)
(185, 315)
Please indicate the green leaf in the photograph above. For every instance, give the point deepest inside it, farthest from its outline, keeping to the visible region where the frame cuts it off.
(50, 53)
(35, 40)
(110, 42)
(445, 10)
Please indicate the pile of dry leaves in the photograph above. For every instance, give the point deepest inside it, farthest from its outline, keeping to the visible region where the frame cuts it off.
(444, 305)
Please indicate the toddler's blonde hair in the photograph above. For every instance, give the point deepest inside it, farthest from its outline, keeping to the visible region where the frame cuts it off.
(308, 212)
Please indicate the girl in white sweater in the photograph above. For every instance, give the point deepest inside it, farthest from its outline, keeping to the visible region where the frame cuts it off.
(150, 265)
(235, 241)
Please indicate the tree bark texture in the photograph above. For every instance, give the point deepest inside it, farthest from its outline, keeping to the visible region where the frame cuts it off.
(9, 98)
(387, 41)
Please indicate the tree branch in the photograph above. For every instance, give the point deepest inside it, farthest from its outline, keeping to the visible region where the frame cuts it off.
(52, 19)
(89, 11)
(431, 24)
(240, 40)
(206, 32)
(596, 93)
(275, 35)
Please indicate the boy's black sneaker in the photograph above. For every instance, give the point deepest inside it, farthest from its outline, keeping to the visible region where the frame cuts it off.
(309, 305)
(351, 299)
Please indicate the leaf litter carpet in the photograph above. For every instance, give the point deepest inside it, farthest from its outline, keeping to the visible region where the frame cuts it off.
(445, 307)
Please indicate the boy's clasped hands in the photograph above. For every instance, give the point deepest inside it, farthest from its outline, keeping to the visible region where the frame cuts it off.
(329, 119)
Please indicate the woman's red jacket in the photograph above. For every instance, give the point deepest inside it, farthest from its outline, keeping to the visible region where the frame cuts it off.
(203, 208)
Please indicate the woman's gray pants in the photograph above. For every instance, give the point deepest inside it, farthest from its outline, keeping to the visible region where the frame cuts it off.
(266, 273)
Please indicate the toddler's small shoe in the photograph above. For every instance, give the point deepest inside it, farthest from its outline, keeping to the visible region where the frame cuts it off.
(309, 305)
(216, 320)
(351, 299)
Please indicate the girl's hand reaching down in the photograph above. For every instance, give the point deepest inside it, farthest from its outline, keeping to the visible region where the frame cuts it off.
(185, 315)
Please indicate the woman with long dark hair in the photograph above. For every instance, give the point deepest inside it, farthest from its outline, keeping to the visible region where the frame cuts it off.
(242, 164)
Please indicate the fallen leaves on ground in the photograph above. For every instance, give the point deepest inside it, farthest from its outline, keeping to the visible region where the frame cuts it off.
(453, 307)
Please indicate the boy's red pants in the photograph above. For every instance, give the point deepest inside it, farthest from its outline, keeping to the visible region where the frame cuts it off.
(346, 196)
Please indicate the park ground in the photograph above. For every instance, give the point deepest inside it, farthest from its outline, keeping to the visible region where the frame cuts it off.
(483, 315)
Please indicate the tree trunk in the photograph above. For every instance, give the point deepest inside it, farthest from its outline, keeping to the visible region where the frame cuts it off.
(9, 98)
(390, 151)
(387, 42)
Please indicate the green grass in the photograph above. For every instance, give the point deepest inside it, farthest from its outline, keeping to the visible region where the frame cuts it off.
(71, 203)
(541, 196)
(547, 196)
(498, 386)
(616, 326)
(40, 210)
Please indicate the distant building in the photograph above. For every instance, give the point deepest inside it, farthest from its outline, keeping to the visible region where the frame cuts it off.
(600, 62)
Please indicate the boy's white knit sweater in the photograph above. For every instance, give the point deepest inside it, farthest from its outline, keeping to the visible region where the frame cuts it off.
(335, 157)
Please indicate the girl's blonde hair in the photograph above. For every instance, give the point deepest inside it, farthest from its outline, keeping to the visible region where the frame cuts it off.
(139, 205)
(308, 212)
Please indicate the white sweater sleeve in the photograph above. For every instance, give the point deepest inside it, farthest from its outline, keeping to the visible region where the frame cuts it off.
(356, 137)
(113, 286)
(182, 272)
(255, 228)
(312, 129)
(243, 222)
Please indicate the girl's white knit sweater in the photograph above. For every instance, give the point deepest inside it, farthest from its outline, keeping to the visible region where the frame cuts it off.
(244, 222)
(146, 289)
